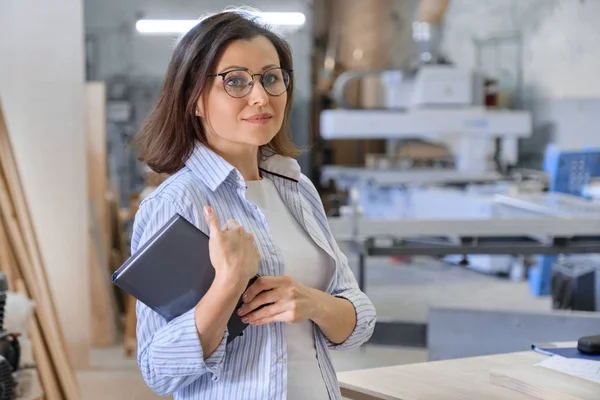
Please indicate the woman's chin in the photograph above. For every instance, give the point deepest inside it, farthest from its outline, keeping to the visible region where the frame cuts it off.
(260, 139)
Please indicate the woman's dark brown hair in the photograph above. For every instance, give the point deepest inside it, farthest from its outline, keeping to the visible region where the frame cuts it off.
(169, 133)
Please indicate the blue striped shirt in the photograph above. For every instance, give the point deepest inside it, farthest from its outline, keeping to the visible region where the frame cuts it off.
(252, 366)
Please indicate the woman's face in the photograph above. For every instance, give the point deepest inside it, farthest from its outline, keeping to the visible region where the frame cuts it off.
(242, 124)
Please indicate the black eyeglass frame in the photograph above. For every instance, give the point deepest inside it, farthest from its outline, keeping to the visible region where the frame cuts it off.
(223, 74)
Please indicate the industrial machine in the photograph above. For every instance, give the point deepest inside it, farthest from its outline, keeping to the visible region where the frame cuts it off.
(433, 100)
(473, 209)
(496, 228)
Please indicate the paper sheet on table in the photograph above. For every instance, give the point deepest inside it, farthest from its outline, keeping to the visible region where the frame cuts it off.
(580, 368)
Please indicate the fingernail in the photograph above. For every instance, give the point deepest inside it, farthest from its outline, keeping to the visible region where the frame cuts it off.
(245, 297)
(207, 211)
(245, 320)
(239, 311)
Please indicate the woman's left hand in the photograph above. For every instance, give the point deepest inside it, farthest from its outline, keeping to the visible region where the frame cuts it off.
(284, 300)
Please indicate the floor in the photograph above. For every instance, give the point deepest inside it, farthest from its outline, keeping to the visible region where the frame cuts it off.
(399, 291)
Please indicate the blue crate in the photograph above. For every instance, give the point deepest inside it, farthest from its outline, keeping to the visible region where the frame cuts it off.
(569, 172)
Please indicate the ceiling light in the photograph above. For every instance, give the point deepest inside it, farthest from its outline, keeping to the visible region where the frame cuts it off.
(179, 26)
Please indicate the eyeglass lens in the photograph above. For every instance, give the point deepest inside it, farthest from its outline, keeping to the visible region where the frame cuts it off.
(239, 83)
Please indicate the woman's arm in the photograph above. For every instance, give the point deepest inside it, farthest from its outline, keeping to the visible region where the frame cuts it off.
(335, 316)
(214, 310)
(345, 286)
(173, 354)
(170, 354)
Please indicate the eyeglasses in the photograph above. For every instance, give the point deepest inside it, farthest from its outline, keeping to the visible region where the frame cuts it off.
(239, 83)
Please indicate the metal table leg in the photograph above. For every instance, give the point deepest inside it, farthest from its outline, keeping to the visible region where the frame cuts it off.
(361, 271)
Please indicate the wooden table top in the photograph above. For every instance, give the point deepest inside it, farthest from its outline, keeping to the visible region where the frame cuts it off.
(464, 379)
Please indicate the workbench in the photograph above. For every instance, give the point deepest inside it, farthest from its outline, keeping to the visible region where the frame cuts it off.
(548, 224)
(464, 379)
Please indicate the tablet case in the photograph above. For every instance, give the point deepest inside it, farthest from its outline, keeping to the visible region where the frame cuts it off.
(172, 271)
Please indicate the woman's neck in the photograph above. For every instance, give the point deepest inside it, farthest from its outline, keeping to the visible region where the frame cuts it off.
(244, 159)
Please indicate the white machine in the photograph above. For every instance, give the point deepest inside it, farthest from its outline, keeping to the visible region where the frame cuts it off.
(436, 102)
(430, 98)
(469, 132)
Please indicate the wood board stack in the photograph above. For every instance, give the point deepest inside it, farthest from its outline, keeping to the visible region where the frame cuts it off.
(112, 310)
(104, 304)
(21, 260)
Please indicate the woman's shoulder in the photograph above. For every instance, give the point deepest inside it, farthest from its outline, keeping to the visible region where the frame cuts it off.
(307, 187)
(182, 191)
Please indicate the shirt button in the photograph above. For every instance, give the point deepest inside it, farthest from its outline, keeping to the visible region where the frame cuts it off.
(274, 252)
(281, 360)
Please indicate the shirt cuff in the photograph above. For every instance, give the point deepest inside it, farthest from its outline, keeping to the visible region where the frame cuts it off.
(177, 348)
(365, 320)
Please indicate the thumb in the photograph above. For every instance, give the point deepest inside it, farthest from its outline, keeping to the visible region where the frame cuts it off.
(211, 220)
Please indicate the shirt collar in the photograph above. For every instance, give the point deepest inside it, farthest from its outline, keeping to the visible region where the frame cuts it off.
(214, 169)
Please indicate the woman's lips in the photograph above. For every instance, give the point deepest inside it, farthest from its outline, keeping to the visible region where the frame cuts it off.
(259, 119)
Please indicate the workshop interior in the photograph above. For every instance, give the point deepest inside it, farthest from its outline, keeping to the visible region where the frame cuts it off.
(453, 144)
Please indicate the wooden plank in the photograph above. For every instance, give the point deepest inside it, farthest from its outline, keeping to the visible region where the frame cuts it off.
(130, 339)
(103, 307)
(545, 384)
(95, 118)
(47, 373)
(22, 239)
(7, 265)
(40, 353)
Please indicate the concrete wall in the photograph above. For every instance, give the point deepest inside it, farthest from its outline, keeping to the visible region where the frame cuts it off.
(559, 64)
(41, 86)
(561, 55)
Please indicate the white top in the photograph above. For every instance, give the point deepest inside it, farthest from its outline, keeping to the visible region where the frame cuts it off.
(307, 264)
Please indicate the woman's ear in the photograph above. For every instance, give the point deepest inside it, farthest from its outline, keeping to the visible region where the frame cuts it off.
(199, 111)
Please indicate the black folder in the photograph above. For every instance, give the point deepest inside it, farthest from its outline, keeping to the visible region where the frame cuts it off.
(172, 272)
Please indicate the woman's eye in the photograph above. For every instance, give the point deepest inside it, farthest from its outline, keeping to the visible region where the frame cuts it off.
(270, 79)
(235, 82)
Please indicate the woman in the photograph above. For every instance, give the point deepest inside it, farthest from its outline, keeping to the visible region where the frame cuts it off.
(220, 128)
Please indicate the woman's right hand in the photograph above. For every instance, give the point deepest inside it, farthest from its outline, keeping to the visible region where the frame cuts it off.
(233, 252)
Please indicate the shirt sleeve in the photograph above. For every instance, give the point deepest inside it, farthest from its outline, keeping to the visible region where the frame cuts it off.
(346, 285)
(170, 354)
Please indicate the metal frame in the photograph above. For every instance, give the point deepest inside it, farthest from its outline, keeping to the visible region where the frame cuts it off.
(488, 245)
(359, 228)
(511, 236)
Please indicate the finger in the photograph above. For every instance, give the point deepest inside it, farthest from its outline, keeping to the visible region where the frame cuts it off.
(230, 225)
(265, 312)
(261, 284)
(211, 220)
(263, 298)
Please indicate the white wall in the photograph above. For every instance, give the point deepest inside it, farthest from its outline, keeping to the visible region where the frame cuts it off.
(560, 64)
(561, 40)
(561, 58)
(41, 86)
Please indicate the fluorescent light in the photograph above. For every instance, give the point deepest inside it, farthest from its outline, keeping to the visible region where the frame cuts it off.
(164, 25)
(178, 26)
(283, 18)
